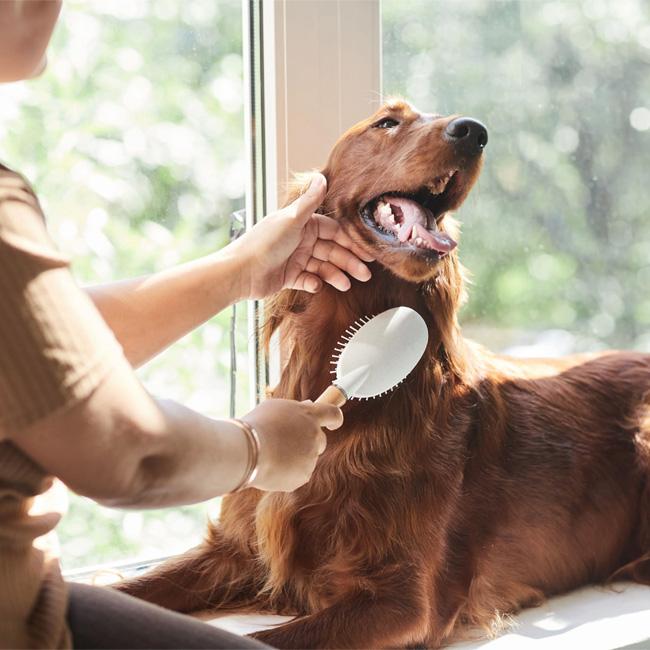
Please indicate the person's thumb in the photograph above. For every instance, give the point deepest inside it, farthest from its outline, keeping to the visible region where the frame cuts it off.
(328, 415)
(306, 204)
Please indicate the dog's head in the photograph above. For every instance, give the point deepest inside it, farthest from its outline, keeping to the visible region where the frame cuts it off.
(393, 177)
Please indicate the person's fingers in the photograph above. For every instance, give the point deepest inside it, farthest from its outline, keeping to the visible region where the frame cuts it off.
(308, 202)
(345, 241)
(329, 251)
(307, 282)
(329, 273)
(328, 415)
(329, 228)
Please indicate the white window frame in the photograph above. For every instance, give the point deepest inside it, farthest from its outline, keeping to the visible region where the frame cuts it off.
(312, 69)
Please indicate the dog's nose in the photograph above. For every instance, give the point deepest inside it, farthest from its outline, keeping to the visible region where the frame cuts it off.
(469, 136)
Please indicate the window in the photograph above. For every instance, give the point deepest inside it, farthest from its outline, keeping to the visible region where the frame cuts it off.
(556, 233)
(134, 140)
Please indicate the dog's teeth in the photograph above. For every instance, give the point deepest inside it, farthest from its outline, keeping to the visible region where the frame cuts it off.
(385, 210)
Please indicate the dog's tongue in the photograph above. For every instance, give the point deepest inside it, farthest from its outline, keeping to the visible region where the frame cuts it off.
(414, 216)
(437, 240)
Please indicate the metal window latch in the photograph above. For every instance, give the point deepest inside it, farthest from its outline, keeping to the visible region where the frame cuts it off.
(237, 229)
(237, 224)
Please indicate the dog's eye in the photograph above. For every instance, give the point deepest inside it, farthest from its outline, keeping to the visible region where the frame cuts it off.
(386, 123)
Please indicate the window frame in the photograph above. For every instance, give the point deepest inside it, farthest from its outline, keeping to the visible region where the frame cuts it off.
(301, 114)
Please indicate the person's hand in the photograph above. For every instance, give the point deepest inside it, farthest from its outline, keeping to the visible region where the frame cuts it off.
(294, 248)
(291, 440)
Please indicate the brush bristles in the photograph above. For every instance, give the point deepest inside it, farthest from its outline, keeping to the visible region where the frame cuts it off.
(349, 333)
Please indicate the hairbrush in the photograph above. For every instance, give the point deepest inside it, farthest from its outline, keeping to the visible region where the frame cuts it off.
(375, 354)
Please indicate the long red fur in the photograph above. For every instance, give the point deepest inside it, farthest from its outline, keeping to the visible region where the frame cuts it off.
(481, 485)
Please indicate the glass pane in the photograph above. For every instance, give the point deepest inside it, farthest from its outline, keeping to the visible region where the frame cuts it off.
(134, 141)
(557, 231)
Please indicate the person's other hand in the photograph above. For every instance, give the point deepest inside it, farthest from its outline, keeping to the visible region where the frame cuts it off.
(291, 440)
(294, 248)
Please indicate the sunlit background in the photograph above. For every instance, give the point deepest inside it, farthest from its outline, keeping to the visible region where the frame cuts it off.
(134, 141)
(557, 232)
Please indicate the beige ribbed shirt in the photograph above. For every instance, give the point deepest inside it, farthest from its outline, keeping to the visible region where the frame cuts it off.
(55, 349)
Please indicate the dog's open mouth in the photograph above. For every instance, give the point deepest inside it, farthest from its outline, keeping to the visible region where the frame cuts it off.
(411, 219)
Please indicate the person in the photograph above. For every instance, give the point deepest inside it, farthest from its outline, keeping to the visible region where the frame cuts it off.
(71, 406)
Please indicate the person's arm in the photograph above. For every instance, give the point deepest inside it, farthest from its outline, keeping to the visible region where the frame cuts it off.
(148, 314)
(125, 449)
(71, 402)
(291, 248)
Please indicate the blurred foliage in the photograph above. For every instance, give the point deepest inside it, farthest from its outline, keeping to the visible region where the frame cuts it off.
(557, 232)
(134, 141)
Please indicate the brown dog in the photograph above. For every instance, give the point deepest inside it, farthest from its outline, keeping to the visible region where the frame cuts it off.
(479, 486)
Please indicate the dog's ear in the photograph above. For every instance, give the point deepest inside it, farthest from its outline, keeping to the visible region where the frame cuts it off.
(288, 301)
(298, 185)
(277, 309)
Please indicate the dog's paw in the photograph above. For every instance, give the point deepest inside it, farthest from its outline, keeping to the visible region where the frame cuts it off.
(280, 638)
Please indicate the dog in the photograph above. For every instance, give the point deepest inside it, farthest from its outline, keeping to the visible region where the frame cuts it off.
(481, 485)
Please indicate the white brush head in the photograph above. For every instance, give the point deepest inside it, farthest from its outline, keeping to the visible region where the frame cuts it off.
(377, 353)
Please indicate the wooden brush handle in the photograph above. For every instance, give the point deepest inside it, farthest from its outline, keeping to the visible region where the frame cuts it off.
(333, 395)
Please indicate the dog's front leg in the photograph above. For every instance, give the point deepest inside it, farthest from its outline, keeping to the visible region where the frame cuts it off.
(391, 613)
(357, 622)
(215, 574)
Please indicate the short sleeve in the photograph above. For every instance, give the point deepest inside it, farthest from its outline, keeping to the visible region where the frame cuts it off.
(55, 348)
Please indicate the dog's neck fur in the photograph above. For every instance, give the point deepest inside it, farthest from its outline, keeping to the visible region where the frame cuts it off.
(311, 325)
